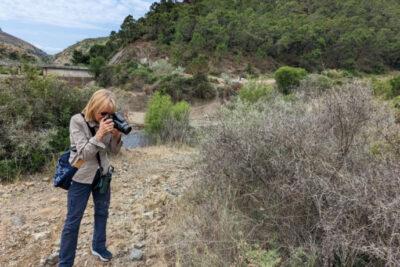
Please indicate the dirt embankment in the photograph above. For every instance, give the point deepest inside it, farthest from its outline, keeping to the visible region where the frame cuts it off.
(145, 188)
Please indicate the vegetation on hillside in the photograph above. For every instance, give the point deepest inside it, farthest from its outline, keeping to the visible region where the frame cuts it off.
(262, 35)
(315, 35)
(68, 57)
(12, 53)
(13, 48)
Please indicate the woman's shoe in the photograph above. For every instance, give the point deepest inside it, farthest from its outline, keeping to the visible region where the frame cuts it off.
(103, 254)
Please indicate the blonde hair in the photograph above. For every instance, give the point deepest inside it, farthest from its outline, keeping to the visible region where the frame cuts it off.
(99, 101)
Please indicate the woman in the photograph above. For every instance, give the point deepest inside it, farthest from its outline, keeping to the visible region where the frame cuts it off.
(84, 148)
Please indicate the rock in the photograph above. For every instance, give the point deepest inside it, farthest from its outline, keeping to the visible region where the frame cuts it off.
(149, 215)
(19, 220)
(57, 243)
(52, 259)
(19, 189)
(155, 179)
(172, 192)
(136, 255)
(46, 179)
(139, 245)
(30, 184)
(44, 224)
(41, 235)
(54, 199)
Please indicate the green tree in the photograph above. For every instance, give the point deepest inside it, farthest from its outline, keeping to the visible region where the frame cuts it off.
(79, 58)
(199, 65)
(96, 65)
(288, 77)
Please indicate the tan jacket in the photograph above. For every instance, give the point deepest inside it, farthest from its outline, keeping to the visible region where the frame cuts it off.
(85, 147)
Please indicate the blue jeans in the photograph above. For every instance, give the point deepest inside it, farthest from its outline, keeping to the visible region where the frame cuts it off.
(78, 196)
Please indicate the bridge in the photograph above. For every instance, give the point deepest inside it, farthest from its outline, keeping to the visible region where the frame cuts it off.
(73, 75)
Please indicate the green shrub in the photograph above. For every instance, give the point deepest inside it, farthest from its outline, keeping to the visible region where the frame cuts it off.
(8, 170)
(175, 85)
(202, 88)
(165, 121)
(288, 77)
(255, 90)
(395, 83)
(382, 88)
(181, 88)
(255, 256)
(145, 74)
(352, 73)
(106, 77)
(36, 112)
(316, 81)
(159, 108)
(214, 72)
(396, 102)
(96, 64)
(162, 67)
(378, 68)
(198, 65)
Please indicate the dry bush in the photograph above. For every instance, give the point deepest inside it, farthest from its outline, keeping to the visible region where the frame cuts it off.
(203, 231)
(319, 172)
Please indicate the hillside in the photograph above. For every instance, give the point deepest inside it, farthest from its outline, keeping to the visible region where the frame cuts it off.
(11, 47)
(65, 57)
(362, 36)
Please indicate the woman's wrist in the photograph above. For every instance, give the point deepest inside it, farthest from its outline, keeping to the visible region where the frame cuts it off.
(117, 135)
(99, 136)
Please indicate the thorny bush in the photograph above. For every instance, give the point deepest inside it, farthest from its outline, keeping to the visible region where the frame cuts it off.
(320, 172)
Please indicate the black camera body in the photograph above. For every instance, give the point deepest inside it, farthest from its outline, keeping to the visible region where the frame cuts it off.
(120, 123)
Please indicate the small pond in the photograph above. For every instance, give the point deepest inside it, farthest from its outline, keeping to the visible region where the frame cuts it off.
(135, 139)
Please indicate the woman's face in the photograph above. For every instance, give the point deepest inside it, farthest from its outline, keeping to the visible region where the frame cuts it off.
(101, 114)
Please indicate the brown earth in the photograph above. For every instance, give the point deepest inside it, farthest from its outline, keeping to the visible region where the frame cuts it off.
(145, 188)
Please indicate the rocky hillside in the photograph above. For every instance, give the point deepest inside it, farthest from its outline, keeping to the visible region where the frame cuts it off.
(65, 57)
(11, 47)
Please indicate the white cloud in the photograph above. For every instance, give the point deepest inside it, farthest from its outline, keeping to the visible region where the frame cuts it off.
(87, 14)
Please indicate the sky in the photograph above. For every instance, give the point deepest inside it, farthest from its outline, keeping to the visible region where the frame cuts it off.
(53, 25)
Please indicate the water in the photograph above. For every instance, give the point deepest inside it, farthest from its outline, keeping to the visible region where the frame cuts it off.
(135, 139)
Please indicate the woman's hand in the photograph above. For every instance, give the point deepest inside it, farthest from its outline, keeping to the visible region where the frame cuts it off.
(106, 126)
(117, 135)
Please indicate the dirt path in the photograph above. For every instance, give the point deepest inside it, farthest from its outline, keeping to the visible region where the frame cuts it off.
(145, 188)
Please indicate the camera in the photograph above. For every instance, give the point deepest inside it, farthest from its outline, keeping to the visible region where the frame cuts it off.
(120, 123)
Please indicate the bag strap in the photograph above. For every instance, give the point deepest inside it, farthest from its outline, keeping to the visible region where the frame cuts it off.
(93, 131)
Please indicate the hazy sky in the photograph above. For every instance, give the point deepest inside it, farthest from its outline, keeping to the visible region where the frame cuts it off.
(53, 25)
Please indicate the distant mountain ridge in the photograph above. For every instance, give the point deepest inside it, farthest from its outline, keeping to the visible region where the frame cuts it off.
(65, 56)
(13, 44)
